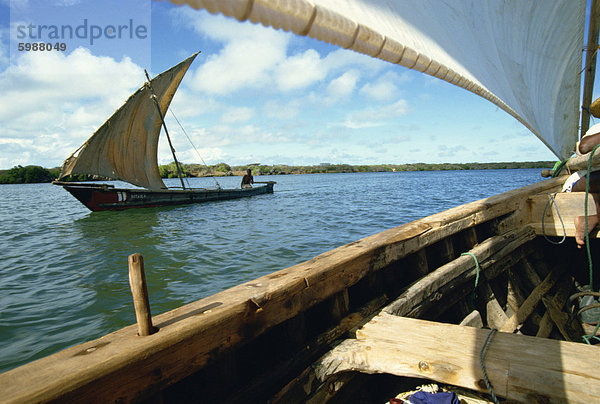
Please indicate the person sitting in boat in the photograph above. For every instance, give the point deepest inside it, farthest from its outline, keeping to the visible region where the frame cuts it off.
(577, 183)
(248, 179)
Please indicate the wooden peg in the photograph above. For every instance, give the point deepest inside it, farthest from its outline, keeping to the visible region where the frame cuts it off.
(137, 282)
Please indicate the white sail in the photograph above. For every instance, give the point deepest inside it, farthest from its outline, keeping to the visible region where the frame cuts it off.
(125, 146)
(522, 55)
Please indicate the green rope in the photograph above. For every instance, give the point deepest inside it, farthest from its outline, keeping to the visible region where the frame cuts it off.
(587, 191)
(473, 294)
(587, 338)
(559, 216)
(558, 167)
(481, 357)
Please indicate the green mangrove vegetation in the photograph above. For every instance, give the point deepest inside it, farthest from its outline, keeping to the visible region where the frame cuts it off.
(33, 174)
(27, 175)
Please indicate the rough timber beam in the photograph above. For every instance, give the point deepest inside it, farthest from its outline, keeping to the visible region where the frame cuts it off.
(520, 368)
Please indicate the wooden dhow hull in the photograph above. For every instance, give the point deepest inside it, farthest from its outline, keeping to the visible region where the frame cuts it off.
(341, 327)
(99, 197)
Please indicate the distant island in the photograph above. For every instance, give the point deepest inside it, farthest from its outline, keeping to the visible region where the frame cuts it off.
(37, 174)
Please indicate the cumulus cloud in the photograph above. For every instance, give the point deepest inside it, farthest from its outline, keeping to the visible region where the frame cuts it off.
(344, 85)
(385, 87)
(246, 59)
(62, 99)
(237, 114)
(300, 71)
(376, 116)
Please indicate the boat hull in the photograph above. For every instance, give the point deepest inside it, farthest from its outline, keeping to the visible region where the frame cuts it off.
(99, 197)
(286, 337)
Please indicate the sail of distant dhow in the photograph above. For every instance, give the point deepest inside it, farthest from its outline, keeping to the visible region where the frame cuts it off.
(125, 148)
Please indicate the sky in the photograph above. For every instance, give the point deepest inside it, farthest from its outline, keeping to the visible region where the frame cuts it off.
(253, 94)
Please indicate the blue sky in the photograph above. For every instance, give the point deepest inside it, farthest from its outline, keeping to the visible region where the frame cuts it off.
(254, 94)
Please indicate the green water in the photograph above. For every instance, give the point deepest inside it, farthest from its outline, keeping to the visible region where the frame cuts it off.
(64, 272)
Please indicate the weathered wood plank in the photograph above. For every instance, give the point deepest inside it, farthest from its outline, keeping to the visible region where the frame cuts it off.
(473, 319)
(529, 305)
(581, 162)
(570, 328)
(457, 271)
(545, 216)
(495, 315)
(519, 367)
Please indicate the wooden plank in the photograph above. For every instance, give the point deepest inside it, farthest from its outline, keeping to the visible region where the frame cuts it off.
(473, 319)
(516, 296)
(567, 205)
(570, 328)
(125, 367)
(529, 305)
(495, 315)
(457, 271)
(580, 163)
(519, 367)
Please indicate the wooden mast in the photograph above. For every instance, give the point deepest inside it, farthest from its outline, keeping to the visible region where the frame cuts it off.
(162, 119)
(590, 63)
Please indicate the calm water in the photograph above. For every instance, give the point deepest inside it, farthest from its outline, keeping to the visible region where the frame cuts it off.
(64, 273)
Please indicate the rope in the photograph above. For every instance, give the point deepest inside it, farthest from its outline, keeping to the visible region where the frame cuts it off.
(558, 167)
(586, 49)
(481, 357)
(473, 294)
(194, 146)
(587, 338)
(559, 216)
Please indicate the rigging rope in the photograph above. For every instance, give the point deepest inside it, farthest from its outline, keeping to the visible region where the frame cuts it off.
(587, 338)
(559, 216)
(481, 357)
(194, 146)
(473, 294)
(558, 167)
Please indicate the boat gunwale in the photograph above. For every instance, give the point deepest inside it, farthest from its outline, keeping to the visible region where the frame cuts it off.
(189, 335)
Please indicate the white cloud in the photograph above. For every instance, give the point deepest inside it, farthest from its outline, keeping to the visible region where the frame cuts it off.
(376, 116)
(237, 114)
(300, 71)
(344, 85)
(282, 111)
(385, 87)
(380, 90)
(246, 59)
(62, 99)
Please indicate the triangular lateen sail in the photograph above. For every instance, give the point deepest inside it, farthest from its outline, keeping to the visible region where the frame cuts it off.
(125, 146)
(524, 56)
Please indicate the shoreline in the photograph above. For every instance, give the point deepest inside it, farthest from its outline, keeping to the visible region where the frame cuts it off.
(36, 174)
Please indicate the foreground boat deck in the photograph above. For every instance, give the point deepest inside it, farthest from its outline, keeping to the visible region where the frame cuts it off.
(265, 340)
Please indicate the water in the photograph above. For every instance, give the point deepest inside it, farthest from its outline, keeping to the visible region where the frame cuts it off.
(64, 272)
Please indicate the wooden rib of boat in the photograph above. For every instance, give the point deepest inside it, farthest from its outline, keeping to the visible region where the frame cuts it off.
(338, 326)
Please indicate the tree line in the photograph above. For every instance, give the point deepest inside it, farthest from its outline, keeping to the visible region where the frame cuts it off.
(37, 174)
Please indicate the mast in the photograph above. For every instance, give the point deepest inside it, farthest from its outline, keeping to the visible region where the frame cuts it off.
(179, 174)
(590, 66)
